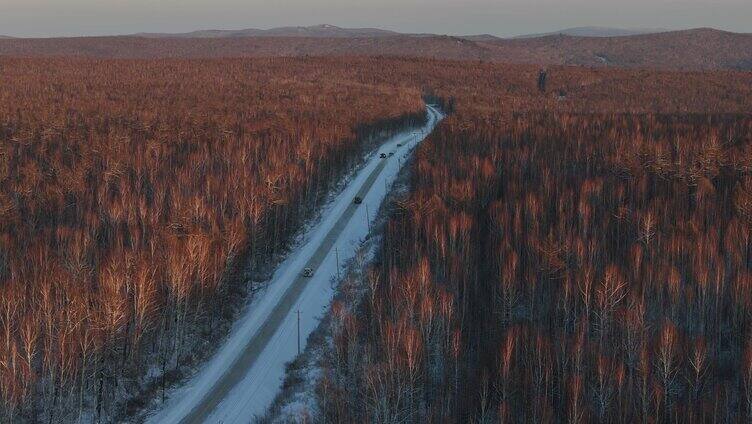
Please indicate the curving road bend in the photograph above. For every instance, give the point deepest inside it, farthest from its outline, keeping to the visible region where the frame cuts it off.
(241, 380)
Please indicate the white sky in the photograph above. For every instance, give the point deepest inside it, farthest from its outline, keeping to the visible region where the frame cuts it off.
(45, 18)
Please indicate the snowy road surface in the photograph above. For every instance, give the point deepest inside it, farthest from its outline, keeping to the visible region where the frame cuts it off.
(243, 377)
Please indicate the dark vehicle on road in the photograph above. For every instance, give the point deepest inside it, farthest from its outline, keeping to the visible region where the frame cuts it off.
(357, 200)
(382, 156)
(308, 273)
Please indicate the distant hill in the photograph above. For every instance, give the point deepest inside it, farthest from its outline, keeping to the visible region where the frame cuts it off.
(481, 37)
(317, 31)
(698, 49)
(593, 31)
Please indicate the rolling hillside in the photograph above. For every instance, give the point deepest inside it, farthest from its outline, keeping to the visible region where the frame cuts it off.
(318, 31)
(702, 49)
(595, 31)
(698, 49)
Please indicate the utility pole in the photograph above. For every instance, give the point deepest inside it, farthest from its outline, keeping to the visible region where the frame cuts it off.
(336, 254)
(298, 331)
(368, 221)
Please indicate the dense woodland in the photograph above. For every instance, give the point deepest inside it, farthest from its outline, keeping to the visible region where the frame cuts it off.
(133, 193)
(560, 265)
(577, 253)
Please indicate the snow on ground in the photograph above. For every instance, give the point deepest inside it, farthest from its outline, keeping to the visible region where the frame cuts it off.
(255, 391)
(298, 400)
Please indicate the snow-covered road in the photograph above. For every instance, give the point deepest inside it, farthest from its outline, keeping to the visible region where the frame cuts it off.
(243, 377)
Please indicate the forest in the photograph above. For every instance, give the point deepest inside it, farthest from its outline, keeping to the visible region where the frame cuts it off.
(578, 253)
(586, 262)
(136, 198)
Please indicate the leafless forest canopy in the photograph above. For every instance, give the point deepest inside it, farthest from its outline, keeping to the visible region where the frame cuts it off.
(578, 255)
(564, 268)
(575, 254)
(130, 191)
